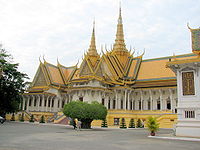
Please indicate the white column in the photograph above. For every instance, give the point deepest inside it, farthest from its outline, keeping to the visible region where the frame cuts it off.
(50, 108)
(27, 104)
(55, 104)
(60, 104)
(171, 99)
(106, 102)
(47, 100)
(43, 109)
(23, 103)
(116, 100)
(111, 103)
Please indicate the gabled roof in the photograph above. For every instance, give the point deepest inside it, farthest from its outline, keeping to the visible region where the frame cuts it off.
(40, 81)
(155, 69)
(67, 72)
(54, 74)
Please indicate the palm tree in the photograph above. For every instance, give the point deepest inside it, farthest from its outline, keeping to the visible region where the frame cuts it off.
(152, 125)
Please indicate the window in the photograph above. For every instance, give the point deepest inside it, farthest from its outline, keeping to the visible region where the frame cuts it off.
(35, 102)
(49, 103)
(52, 103)
(102, 101)
(121, 104)
(188, 83)
(149, 105)
(81, 99)
(30, 101)
(40, 102)
(63, 103)
(58, 103)
(131, 105)
(109, 104)
(158, 105)
(168, 105)
(45, 102)
(189, 114)
(116, 121)
(114, 103)
(140, 105)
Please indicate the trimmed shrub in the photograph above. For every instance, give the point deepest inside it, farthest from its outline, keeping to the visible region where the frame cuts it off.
(32, 119)
(42, 120)
(123, 124)
(139, 124)
(132, 123)
(104, 123)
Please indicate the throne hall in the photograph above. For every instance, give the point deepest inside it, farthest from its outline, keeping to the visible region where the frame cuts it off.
(127, 85)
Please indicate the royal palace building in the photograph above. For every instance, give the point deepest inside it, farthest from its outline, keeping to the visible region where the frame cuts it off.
(128, 85)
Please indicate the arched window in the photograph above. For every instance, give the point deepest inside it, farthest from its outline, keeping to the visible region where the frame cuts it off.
(158, 105)
(168, 105)
(102, 101)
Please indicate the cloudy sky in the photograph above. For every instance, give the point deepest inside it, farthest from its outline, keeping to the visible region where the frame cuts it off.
(62, 28)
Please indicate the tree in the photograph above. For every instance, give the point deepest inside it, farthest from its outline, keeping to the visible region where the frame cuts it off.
(12, 117)
(32, 119)
(104, 123)
(152, 125)
(123, 124)
(85, 112)
(12, 84)
(42, 119)
(22, 117)
(139, 124)
(132, 123)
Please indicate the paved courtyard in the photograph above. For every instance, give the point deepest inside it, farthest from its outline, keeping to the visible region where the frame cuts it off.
(24, 136)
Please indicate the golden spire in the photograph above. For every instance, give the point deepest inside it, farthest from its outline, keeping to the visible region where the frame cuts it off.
(92, 50)
(119, 44)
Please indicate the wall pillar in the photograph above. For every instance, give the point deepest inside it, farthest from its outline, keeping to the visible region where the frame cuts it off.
(23, 103)
(27, 104)
(171, 100)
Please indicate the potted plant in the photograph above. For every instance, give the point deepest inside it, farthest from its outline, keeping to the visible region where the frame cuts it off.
(152, 125)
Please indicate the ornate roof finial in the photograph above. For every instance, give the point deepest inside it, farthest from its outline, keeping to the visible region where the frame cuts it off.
(58, 63)
(119, 44)
(92, 50)
(44, 59)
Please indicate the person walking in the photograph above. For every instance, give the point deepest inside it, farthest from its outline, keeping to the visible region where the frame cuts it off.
(74, 124)
(79, 125)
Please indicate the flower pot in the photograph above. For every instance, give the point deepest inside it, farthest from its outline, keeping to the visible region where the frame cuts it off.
(152, 133)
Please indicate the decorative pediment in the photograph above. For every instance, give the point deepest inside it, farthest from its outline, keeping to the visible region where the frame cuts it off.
(39, 79)
(85, 69)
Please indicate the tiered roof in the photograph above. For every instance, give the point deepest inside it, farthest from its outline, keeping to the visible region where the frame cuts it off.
(117, 67)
